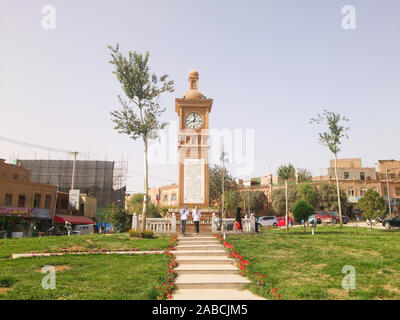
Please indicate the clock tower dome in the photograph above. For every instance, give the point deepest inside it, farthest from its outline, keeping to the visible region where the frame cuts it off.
(193, 144)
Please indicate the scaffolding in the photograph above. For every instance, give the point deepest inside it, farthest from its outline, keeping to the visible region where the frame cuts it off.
(105, 180)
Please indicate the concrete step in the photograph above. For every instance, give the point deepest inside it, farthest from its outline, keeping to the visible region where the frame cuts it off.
(199, 247)
(205, 259)
(196, 238)
(210, 281)
(214, 294)
(200, 253)
(184, 242)
(206, 269)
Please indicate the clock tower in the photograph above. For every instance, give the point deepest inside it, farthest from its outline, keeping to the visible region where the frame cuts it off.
(193, 145)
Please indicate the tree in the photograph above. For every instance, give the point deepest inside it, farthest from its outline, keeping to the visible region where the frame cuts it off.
(258, 201)
(117, 216)
(140, 113)
(372, 205)
(216, 175)
(309, 193)
(286, 173)
(327, 196)
(135, 205)
(279, 199)
(231, 201)
(333, 139)
(304, 175)
(301, 211)
(223, 159)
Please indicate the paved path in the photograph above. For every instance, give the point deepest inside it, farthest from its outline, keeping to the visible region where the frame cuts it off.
(206, 273)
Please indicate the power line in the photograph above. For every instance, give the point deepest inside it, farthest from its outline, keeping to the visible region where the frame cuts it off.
(27, 144)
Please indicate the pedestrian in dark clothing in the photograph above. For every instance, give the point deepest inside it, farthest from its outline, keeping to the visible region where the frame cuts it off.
(238, 221)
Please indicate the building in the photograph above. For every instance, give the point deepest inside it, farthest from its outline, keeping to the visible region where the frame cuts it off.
(91, 177)
(193, 146)
(167, 196)
(24, 204)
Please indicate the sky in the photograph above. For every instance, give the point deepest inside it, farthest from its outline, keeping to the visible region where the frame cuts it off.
(269, 66)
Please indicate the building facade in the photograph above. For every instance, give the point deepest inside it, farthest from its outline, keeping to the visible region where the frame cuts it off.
(24, 205)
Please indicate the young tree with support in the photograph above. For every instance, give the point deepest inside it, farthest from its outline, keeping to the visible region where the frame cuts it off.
(286, 173)
(332, 138)
(140, 113)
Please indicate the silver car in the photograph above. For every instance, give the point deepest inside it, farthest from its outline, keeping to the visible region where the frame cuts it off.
(82, 229)
(267, 221)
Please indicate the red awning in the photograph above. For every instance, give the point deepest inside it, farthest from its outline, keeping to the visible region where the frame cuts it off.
(61, 218)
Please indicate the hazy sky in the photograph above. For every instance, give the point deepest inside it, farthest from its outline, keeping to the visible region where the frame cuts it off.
(269, 66)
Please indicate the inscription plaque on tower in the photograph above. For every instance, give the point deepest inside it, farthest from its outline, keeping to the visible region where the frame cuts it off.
(193, 184)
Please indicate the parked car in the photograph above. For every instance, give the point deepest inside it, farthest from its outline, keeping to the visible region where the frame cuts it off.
(312, 217)
(282, 221)
(267, 221)
(81, 229)
(391, 222)
(331, 216)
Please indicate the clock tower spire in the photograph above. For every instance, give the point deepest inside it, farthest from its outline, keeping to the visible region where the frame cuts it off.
(193, 144)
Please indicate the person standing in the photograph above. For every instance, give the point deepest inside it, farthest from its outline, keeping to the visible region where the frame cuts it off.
(183, 216)
(196, 219)
(238, 221)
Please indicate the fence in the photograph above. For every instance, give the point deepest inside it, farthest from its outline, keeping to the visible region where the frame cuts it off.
(157, 225)
(168, 225)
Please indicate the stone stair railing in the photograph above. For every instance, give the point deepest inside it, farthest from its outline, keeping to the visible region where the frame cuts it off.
(157, 225)
(249, 224)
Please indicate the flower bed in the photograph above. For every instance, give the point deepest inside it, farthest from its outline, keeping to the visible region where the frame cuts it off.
(165, 289)
(243, 264)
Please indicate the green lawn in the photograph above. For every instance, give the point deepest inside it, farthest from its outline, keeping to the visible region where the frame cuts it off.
(303, 266)
(86, 242)
(90, 277)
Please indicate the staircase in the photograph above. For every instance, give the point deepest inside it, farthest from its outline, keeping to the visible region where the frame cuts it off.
(206, 273)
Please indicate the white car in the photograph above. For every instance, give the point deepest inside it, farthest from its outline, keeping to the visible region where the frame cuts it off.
(82, 229)
(267, 221)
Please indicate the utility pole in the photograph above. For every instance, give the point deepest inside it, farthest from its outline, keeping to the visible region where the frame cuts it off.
(73, 169)
(388, 193)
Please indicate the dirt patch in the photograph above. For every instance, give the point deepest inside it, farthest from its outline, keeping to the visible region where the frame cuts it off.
(338, 294)
(60, 268)
(389, 287)
(319, 266)
(4, 290)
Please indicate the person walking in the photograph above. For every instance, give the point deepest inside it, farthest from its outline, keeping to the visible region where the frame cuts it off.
(196, 219)
(183, 216)
(238, 221)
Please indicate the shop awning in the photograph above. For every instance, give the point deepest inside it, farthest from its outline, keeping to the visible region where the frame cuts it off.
(61, 218)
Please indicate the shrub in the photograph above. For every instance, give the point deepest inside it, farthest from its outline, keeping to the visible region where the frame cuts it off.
(301, 211)
(6, 282)
(146, 234)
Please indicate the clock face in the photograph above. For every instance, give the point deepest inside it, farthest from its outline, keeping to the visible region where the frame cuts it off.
(194, 121)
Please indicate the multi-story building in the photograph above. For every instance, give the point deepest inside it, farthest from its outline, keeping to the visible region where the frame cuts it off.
(167, 196)
(23, 203)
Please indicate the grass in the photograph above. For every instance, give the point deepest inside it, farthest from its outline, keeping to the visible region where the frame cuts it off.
(85, 242)
(303, 266)
(84, 277)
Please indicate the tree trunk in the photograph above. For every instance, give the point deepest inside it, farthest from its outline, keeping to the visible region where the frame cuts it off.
(338, 193)
(146, 186)
(286, 196)
(223, 194)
